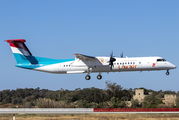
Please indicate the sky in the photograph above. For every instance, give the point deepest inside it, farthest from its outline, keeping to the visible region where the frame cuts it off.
(60, 28)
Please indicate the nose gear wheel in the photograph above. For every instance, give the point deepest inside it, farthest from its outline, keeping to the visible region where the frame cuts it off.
(167, 73)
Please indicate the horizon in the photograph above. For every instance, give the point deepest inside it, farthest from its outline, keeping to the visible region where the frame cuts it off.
(133, 89)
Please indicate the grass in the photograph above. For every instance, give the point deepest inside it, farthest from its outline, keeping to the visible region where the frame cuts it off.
(91, 116)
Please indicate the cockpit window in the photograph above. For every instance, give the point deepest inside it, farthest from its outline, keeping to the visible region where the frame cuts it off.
(164, 60)
(160, 60)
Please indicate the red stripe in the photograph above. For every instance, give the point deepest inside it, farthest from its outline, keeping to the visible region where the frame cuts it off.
(18, 43)
(136, 109)
(15, 40)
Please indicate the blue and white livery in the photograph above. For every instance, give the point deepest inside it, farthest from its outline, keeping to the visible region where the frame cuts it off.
(84, 63)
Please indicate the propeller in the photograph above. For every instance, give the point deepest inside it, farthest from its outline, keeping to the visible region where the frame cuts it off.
(121, 55)
(111, 60)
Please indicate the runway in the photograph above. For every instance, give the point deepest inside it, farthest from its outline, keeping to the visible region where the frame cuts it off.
(46, 110)
(86, 110)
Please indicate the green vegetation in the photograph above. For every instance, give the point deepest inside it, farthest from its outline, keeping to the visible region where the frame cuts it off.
(114, 96)
(151, 101)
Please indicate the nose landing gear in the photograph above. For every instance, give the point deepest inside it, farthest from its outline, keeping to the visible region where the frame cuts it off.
(167, 73)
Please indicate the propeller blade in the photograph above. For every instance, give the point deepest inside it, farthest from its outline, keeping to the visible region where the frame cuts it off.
(111, 54)
(111, 60)
(122, 55)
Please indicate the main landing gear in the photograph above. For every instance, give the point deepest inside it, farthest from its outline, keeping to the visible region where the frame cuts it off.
(167, 73)
(99, 77)
(87, 77)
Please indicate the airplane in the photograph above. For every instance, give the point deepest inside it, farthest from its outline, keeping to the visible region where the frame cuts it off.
(85, 64)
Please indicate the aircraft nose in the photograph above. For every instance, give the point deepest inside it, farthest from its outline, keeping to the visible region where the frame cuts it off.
(173, 66)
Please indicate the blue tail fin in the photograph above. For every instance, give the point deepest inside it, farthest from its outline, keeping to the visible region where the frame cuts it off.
(21, 52)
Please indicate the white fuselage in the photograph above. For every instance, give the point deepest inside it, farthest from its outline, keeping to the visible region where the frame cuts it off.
(101, 64)
(84, 63)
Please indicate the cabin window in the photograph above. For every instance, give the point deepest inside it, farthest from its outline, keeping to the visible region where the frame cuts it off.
(139, 62)
(133, 62)
(117, 63)
(64, 65)
(125, 63)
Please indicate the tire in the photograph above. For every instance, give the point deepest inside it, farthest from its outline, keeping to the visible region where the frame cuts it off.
(167, 73)
(99, 77)
(87, 77)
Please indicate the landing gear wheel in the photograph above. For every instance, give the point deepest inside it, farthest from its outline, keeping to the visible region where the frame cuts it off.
(87, 77)
(99, 77)
(167, 73)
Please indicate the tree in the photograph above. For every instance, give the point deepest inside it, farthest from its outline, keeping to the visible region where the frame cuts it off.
(135, 103)
(160, 94)
(151, 101)
(177, 102)
(113, 89)
(17, 100)
(47, 103)
(117, 103)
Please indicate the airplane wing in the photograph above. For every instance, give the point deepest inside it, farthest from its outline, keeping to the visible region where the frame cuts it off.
(84, 57)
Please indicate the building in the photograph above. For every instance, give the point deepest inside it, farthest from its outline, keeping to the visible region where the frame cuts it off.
(139, 95)
(169, 99)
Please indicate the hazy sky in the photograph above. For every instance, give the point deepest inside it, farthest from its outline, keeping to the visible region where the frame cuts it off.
(60, 28)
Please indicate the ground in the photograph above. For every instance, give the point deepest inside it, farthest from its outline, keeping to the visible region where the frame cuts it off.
(91, 117)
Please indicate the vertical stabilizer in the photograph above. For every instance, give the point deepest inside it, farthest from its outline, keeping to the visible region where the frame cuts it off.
(21, 52)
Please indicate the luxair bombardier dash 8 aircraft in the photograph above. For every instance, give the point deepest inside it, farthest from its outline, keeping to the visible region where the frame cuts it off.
(84, 63)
